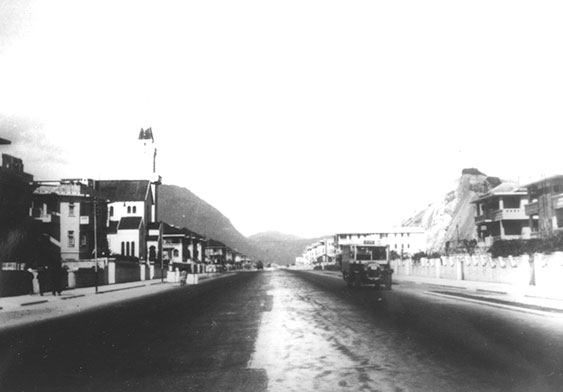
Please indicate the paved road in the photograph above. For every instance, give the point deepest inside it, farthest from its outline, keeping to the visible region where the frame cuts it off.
(196, 338)
(286, 331)
(441, 344)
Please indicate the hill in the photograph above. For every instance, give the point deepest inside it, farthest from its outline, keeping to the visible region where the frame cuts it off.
(452, 218)
(280, 248)
(180, 207)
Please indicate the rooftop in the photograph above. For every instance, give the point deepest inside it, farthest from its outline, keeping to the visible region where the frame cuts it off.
(124, 190)
(130, 223)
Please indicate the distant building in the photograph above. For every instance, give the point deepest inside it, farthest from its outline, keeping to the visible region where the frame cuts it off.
(322, 251)
(196, 246)
(500, 214)
(215, 252)
(545, 205)
(402, 240)
(179, 245)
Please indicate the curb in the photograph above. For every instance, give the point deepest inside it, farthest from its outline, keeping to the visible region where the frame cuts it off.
(121, 289)
(34, 302)
(74, 296)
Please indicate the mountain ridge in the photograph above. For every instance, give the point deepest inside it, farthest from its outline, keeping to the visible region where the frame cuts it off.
(181, 207)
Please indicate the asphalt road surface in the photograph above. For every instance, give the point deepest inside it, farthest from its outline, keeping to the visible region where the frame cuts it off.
(286, 331)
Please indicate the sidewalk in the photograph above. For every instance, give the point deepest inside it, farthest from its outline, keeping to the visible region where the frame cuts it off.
(529, 298)
(24, 309)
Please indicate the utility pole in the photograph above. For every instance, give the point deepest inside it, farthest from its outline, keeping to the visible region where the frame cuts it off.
(160, 231)
(96, 242)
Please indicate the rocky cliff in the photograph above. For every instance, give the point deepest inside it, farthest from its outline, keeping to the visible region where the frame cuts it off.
(452, 218)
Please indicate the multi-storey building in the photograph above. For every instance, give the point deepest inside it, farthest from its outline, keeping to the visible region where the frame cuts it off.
(179, 245)
(500, 214)
(72, 213)
(322, 251)
(16, 191)
(196, 246)
(545, 206)
(215, 252)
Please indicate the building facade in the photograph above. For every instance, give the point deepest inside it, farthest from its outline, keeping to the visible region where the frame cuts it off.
(215, 252)
(16, 194)
(545, 206)
(72, 215)
(130, 209)
(500, 214)
(402, 240)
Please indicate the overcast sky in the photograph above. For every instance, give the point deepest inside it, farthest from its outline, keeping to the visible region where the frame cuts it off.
(306, 117)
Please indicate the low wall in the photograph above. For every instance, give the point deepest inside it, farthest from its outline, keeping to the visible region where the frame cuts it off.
(15, 283)
(81, 273)
(126, 272)
(545, 271)
(86, 277)
(156, 273)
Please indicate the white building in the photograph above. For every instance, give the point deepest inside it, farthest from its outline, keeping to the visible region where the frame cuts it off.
(132, 203)
(322, 251)
(402, 240)
(130, 210)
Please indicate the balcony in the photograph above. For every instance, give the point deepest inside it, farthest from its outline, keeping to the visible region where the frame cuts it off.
(45, 217)
(485, 218)
(510, 214)
(510, 237)
(532, 208)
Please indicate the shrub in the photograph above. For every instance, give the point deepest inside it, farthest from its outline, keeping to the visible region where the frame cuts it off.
(506, 248)
(417, 256)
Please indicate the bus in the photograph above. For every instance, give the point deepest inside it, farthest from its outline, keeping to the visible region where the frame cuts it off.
(366, 263)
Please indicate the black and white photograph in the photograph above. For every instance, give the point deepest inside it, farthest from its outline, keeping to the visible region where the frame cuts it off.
(281, 196)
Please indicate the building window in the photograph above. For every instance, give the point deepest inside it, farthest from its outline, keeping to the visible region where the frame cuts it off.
(70, 209)
(128, 209)
(127, 249)
(71, 239)
(123, 248)
(83, 240)
(176, 253)
(134, 209)
(111, 211)
(133, 248)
